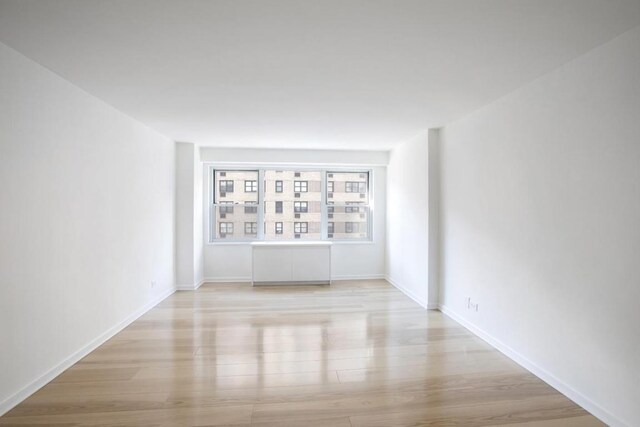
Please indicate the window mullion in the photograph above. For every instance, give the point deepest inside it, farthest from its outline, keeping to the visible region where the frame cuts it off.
(324, 235)
(261, 189)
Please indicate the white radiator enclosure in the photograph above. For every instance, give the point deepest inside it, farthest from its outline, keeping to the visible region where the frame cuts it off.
(291, 263)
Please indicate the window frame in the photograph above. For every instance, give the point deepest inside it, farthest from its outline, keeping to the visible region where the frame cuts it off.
(211, 223)
(253, 186)
(300, 206)
(299, 184)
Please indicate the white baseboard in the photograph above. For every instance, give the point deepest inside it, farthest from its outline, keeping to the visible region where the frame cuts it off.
(541, 373)
(358, 277)
(242, 279)
(192, 287)
(237, 279)
(411, 295)
(11, 401)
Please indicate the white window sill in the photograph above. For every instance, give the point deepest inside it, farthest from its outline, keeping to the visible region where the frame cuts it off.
(293, 243)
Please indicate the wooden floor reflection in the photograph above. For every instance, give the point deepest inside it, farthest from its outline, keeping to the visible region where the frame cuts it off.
(357, 353)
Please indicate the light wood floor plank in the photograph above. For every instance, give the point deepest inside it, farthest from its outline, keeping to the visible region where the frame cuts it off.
(352, 354)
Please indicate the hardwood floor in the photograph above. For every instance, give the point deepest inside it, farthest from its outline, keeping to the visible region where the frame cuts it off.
(355, 354)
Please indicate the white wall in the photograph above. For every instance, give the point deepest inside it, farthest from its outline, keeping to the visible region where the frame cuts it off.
(232, 261)
(541, 226)
(409, 221)
(189, 231)
(86, 223)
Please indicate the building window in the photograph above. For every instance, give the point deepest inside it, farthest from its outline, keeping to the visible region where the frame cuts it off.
(352, 209)
(226, 186)
(355, 187)
(301, 227)
(250, 228)
(301, 207)
(250, 186)
(331, 227)
(226, 208)
(350, 227)
(300, 186)
(251, 209)
(278, 186)
(226, 228)
(278, 228)
(278, 207)
(330, 186)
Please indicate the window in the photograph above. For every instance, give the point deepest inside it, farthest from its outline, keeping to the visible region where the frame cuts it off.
(304, 211)
(301, 207)
(251, 209)
(227, 208)
(226, 228)
(355, 187)
(226, 186)
(300, 186)
(350, 208)
(250, 228)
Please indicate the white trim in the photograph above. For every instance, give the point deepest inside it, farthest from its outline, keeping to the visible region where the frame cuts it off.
(188, 287)
(15, 399)
(411, 294)
(358, 277)
(237, 279)
(555, 382)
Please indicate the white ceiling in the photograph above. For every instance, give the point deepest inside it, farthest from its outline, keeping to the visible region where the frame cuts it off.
(346, 74)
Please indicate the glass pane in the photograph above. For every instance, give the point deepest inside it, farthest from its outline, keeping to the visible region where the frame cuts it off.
(292, 201)
(344, 187)
(237, 187)
(235, 221)
(349, 221)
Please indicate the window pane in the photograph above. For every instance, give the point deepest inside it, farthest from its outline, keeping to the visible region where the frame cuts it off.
(293, 197)
(348, 187)
(235, 222)
(349, 222)
(231, 186)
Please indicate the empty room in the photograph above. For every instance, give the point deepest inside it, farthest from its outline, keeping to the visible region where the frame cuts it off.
(327, 213)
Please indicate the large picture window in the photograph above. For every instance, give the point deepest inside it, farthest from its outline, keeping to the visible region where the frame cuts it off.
(302, 204)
